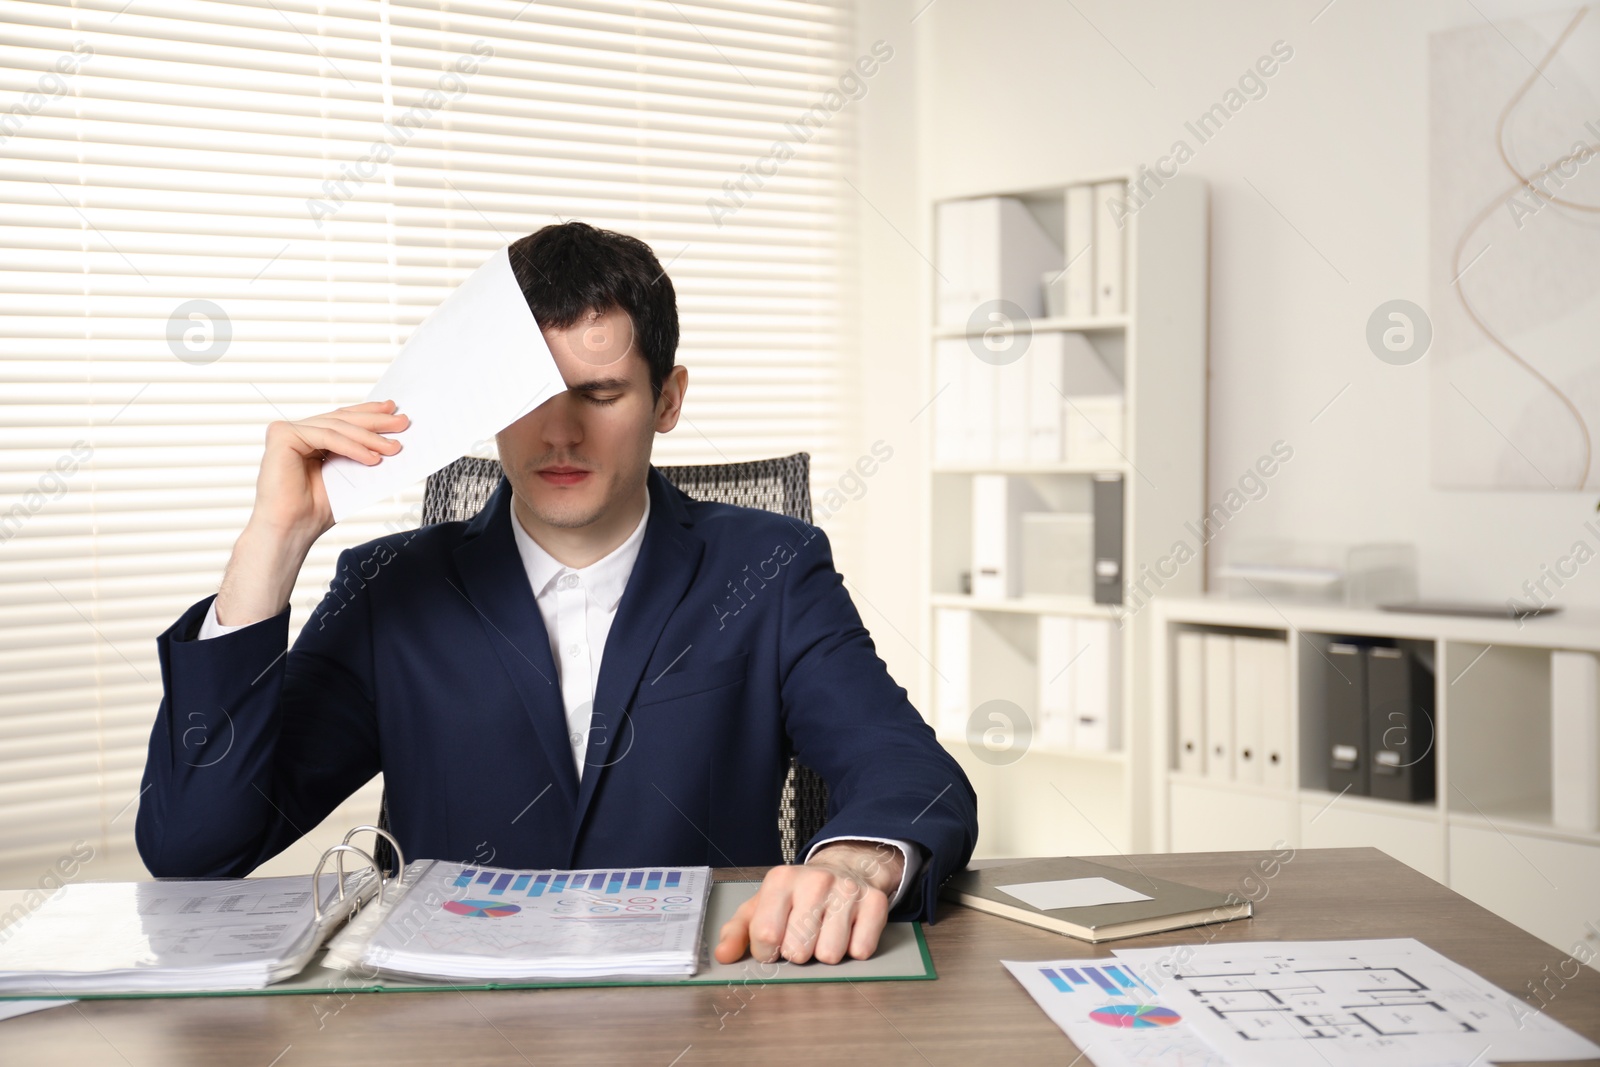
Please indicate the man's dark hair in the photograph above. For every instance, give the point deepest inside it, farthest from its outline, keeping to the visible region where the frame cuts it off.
(570, 269)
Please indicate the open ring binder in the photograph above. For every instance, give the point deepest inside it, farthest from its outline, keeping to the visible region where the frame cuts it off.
(383, 835)
(497, 927)
(316, 875)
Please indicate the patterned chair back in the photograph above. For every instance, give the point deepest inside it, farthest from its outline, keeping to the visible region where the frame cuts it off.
(782, 485)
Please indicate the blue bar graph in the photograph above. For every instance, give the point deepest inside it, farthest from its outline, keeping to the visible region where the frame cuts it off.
(612, 882)
(1118, 981)
(1128, 977)
(1122, 980)
(1101, 980)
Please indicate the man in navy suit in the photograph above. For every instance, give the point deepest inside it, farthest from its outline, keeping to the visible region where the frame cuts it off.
(595, 671)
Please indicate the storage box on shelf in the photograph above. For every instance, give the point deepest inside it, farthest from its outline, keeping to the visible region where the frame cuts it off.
(1068, 447)
(1490, 708)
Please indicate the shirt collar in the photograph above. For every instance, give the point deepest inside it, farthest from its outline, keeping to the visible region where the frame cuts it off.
(603, 580)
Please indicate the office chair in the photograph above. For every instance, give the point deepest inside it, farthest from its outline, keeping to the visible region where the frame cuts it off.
(783, 485)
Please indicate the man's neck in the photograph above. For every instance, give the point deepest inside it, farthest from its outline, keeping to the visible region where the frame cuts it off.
(577, 547)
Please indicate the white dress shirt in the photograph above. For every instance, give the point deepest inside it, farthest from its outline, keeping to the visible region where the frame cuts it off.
(578, 606)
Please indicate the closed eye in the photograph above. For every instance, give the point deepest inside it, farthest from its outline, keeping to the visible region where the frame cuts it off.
(601, 400)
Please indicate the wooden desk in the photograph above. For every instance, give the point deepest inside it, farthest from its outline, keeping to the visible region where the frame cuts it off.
(975, 1011)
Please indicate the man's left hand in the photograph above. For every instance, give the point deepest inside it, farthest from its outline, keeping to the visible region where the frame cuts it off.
(833, 905)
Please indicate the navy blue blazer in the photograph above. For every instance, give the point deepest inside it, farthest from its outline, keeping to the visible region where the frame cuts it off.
(735, 643)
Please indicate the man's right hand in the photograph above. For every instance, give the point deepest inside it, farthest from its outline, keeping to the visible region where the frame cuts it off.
(291, 507)
(290, 497)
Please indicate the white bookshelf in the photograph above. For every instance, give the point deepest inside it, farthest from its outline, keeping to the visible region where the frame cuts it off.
(1055, 801)
(1488, 833)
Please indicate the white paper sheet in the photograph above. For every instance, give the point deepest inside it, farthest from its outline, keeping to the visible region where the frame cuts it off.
(1072, 893)
(1115, 1019)
(474, 366)
(1376, 1003)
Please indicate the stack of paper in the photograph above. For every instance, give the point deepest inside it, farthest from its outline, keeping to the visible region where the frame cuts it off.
(452, 920)
(112, 937)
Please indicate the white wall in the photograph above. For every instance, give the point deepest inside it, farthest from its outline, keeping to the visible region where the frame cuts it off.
(881, 566)
(995, 94)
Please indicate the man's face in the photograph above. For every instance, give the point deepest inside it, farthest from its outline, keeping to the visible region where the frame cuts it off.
(580, 458)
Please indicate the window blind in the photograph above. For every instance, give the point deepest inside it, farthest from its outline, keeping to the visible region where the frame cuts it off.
(215, 214)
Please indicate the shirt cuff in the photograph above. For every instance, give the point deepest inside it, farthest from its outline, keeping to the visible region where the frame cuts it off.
(913, 864)
(210, 627)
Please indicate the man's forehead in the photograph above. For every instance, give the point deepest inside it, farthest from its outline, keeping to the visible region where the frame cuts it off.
(619, 370)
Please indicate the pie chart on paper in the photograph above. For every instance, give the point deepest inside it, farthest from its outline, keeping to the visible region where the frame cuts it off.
(1134, 1016)
(480, 909)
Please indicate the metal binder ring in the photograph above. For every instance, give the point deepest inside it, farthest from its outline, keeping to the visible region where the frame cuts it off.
(399, 855)
(316, 876)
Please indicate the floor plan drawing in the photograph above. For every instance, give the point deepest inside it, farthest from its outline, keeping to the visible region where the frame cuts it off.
(1374, 1003)
(1287, 1002)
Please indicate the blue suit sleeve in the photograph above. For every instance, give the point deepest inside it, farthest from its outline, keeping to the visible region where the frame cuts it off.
(887, 775)
(254, 745)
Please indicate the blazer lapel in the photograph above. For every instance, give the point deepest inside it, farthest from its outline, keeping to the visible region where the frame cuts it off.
(669, 557)
(497, 586)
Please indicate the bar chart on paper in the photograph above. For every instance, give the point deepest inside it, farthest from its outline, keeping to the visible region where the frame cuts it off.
(596, 892)
(456, 920)
(1115, 981)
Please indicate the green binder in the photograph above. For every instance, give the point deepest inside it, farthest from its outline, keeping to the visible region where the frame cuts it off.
(902, 955)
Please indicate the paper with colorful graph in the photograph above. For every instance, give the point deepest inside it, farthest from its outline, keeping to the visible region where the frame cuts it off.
(466, 921)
